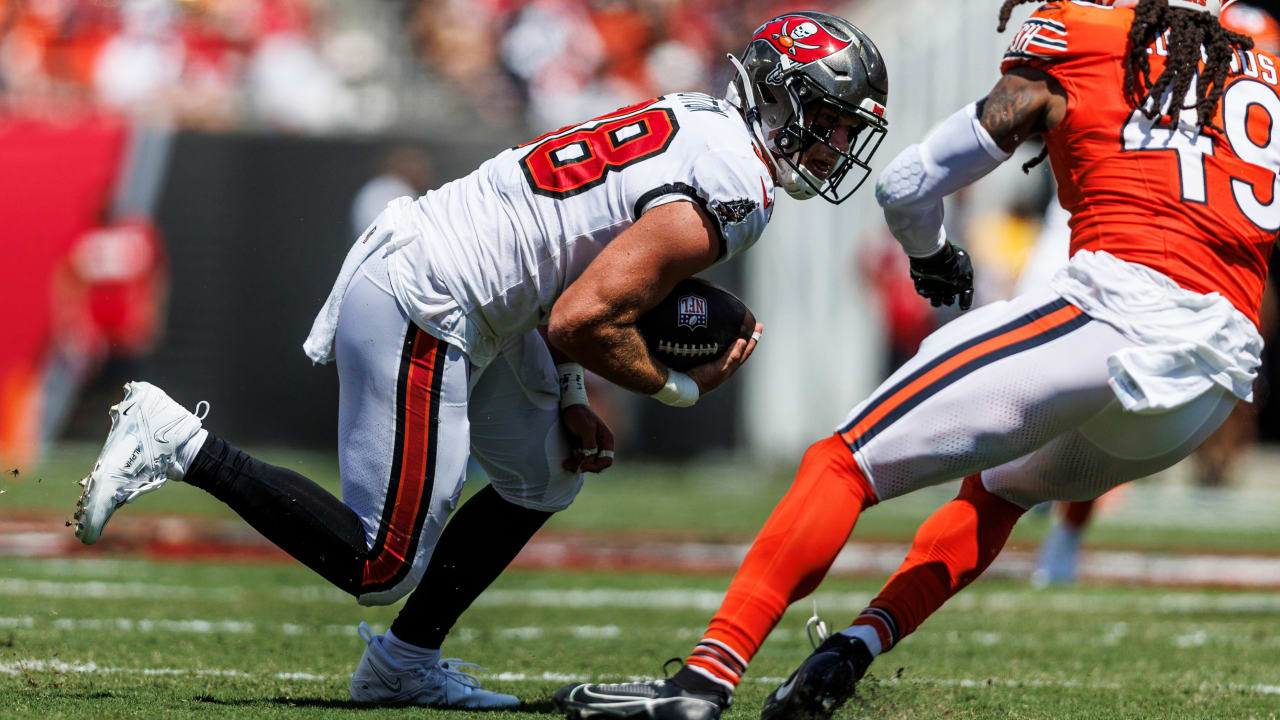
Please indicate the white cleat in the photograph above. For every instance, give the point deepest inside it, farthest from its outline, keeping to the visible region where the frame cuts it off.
(378, 680)
(147, 427)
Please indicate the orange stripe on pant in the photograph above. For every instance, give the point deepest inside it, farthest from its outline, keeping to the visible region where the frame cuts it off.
(413, 467)
(903, 395)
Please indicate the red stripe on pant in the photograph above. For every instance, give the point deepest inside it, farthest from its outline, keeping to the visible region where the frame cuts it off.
(413, 467)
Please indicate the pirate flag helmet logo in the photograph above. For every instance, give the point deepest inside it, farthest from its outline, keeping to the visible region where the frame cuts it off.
(800, 39)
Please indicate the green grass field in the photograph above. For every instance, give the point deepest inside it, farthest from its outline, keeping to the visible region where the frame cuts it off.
(123, 638)
(119, 636)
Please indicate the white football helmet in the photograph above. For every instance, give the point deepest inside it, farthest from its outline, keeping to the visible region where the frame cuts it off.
(798, 59)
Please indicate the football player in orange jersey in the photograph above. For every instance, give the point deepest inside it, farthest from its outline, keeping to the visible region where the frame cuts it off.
(1059, 553)
(1119, 367)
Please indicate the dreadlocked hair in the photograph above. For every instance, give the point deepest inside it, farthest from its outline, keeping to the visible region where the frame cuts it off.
(1188, 31)
(1006, 10)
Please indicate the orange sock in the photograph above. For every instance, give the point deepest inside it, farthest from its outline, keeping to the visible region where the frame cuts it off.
(788, 559)
(950, 550)
(1076, 514)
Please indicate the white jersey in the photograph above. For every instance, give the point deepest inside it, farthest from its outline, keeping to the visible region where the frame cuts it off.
(493, 250)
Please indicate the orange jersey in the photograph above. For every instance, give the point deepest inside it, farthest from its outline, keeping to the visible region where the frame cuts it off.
(1201, 207)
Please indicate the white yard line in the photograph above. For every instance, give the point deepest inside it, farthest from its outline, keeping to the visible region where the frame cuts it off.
(58, 666)
(1176, 634)
(33, 665)
(1089, 600)
(104, 590)
(200, 627)
(561, 552)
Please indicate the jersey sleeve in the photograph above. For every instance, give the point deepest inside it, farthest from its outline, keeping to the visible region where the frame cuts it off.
(1042, 41)
(1077, 43)
(735, 191)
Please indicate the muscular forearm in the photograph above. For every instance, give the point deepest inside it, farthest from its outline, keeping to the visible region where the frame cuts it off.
(611, 349)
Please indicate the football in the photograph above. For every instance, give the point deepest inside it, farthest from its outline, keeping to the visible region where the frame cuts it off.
(696, 322)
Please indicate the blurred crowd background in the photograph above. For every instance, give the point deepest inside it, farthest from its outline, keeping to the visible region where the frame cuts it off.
(324, 66)
(179, 180)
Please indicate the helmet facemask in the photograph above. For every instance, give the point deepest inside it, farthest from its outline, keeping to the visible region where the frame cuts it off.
(798, 115)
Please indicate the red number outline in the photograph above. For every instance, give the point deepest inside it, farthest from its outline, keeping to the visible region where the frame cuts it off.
(602, 150)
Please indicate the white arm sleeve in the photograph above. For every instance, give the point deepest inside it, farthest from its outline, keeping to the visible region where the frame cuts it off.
(911, 188)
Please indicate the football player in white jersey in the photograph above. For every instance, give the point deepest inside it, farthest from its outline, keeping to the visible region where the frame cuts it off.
(435, 319)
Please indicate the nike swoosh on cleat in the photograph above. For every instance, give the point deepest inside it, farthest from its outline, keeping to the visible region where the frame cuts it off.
(161, 434)
(126, 410)
(395, 686)
(785, 689)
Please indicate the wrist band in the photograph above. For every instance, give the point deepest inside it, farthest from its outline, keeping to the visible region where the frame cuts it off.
(573, 390)
(680, 390)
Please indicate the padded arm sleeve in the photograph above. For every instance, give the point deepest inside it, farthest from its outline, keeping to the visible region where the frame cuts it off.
(957, 152)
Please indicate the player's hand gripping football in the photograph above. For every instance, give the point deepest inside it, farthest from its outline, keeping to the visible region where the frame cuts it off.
(944, 278)
(591, 437)
(711, 374)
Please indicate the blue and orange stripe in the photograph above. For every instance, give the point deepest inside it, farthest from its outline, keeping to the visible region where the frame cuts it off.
(1033, 329)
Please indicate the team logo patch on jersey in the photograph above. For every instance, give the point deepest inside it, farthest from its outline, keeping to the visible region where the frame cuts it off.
(800, 39)
(691, 311)
(732, 211)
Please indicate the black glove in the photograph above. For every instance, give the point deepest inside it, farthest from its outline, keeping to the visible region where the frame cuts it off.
(945, 276)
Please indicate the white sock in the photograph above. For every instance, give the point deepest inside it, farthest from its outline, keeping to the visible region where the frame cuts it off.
(404, 654)
(186, 454)
(867, 635)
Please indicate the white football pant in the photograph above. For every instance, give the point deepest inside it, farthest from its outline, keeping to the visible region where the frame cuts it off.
(1019, 390)
(412, 409)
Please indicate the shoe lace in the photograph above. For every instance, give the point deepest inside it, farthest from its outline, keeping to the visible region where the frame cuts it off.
(129, 494)
(665, 665)
(450, 668)
(815, 626)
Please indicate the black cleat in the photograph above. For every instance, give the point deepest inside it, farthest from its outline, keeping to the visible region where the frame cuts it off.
(657, 700)
(822, 683)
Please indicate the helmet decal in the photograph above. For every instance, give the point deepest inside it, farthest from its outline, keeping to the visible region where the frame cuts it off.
(799, 39)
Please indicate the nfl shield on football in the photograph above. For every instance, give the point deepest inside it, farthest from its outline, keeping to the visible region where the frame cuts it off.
(696, 322)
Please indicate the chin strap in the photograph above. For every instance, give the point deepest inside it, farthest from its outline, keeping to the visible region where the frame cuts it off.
(789, 178)
(746, 102)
